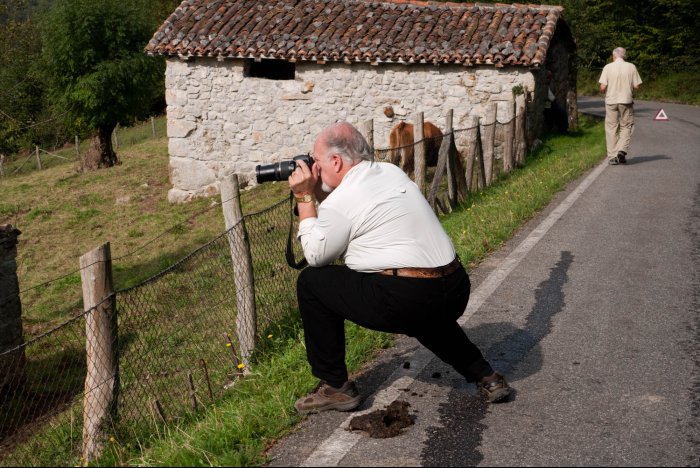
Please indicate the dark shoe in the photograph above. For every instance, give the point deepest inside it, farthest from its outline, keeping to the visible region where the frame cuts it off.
(614, 161)
(325, 397)
(494, 388)
(622, 157)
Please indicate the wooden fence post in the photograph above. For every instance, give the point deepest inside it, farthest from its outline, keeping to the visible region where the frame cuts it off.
(11, 336)
(246, 318)
(367, 130)
(508, 135)
(440, 168)
(153, 127)
(116, 137)
(472, 133)
(451, 166)
(480, 157)
(520, 137)
(102, 378)
(38, 158)
(419, 152)
(2, 161)
(489, 135)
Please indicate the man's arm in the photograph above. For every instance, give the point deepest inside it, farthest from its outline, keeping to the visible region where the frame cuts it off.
(603, 79)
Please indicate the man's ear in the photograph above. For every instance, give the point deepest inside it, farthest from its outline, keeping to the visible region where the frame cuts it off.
(337, 163)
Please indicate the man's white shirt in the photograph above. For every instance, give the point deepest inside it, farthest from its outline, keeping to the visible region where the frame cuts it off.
(377, 219)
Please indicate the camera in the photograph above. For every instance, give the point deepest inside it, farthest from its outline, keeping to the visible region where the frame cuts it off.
(281, 170)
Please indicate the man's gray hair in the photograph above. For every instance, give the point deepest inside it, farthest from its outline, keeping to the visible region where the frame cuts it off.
(345, 140)
(620, 52)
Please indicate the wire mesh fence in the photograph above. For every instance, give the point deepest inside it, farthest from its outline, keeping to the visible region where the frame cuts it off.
(40, 402)
(180, 340)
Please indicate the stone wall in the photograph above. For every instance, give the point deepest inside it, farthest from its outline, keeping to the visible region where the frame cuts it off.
(220, 121)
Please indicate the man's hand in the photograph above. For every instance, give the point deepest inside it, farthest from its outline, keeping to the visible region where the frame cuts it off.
(304, 180)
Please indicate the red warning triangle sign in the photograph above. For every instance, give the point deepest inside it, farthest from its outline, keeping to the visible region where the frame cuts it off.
(661, 115)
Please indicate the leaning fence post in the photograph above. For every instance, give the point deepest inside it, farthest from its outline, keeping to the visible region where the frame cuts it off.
(11, 362)
(488, 141)
(472, 133)
(246, 318)
(102, 378)
(451, 171)
(419, 151)
(508, 135)
(439, 171)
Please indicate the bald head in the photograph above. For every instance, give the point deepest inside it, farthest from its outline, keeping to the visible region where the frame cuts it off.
(619, 52)
(345, 140)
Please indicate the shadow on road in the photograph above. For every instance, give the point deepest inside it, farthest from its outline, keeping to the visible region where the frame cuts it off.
(643, 159)
(516, 353)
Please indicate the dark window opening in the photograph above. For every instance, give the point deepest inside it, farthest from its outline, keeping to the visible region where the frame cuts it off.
(270, 69)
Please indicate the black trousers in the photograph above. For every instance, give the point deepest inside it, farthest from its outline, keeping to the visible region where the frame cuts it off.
(426, 309)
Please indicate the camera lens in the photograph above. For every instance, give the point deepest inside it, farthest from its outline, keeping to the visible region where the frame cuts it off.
(279, 171)
(265, 173)
(285, 169)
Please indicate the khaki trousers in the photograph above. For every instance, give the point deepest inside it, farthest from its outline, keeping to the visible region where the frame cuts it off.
(619, 125)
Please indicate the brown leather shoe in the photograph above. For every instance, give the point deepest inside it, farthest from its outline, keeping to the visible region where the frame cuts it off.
(325, 397)
(494, 388)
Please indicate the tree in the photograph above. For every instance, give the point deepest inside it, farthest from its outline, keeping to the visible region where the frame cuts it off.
(21, 88)
(98, 73)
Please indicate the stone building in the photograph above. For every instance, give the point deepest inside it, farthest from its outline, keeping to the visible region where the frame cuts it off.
(254, 81)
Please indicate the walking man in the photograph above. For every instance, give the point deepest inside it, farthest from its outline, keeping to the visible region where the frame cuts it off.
(617, 81)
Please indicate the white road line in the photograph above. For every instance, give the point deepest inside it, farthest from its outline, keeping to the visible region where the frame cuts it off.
(332, 450)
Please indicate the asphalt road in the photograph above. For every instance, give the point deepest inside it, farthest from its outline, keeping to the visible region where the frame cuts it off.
(593, 313)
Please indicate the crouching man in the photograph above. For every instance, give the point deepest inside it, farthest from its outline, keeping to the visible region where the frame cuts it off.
(401, 273)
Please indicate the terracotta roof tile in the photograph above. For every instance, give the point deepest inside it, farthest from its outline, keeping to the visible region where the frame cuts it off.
(361, 31)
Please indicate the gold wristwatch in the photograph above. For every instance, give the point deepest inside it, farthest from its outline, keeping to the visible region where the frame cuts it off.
(306, 198)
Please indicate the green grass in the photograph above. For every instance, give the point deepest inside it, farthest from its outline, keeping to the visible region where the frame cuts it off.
(677, 87)
(242, 422)
(489, 218)
(63, 214)
(240, 427)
